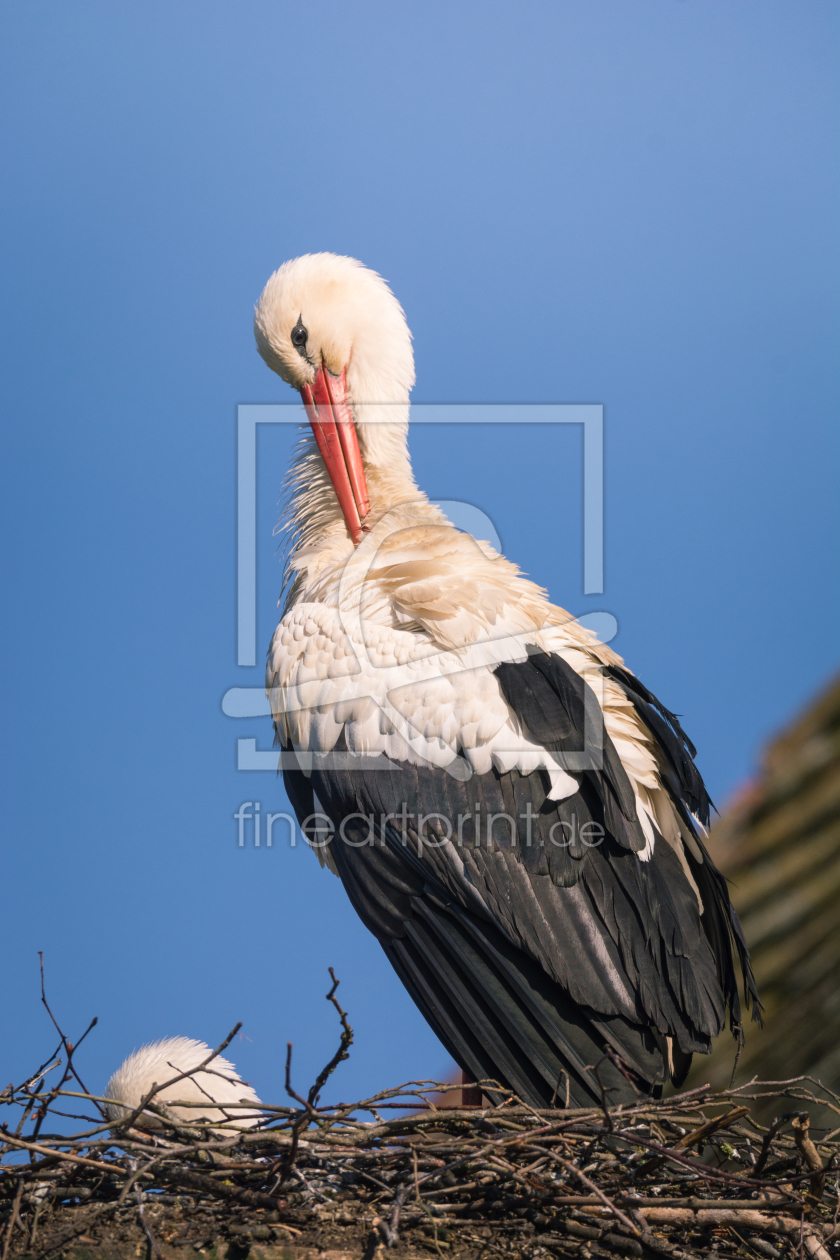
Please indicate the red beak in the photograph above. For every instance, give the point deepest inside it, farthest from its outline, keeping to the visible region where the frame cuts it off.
(329, 414)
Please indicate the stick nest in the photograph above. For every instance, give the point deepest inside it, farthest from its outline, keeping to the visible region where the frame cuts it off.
(694, 1174)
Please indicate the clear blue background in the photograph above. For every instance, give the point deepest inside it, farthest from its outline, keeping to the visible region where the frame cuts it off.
(600, 201)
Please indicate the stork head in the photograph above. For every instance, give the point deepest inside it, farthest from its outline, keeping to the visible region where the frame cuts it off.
(161, 1063)
(333, 329)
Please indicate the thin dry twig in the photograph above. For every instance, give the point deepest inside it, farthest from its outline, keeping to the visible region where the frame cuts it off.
(343, 1051)
(70, 1050)
(14, 1219)
(141, 1216)
(810, 1154)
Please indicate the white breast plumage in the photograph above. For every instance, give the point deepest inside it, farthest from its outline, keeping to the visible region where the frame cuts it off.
(399, 693)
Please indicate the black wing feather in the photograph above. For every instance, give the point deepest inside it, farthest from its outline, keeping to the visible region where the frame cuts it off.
(529, 955)
(557, 709)
(689, 796)
(672, 739)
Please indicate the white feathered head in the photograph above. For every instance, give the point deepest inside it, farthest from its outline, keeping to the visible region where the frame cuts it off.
(218, 1083)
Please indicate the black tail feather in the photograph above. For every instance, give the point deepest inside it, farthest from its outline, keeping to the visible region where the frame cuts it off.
(500, 1016)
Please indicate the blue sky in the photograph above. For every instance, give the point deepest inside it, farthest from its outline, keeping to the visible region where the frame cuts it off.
(633, 204)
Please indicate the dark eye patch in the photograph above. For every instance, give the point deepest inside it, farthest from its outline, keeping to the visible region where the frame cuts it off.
(299, 335)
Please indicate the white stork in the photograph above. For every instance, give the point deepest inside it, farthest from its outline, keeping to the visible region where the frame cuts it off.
(216, 1085)
(513, 815)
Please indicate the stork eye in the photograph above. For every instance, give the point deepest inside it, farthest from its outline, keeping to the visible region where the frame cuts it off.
(299, 335)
